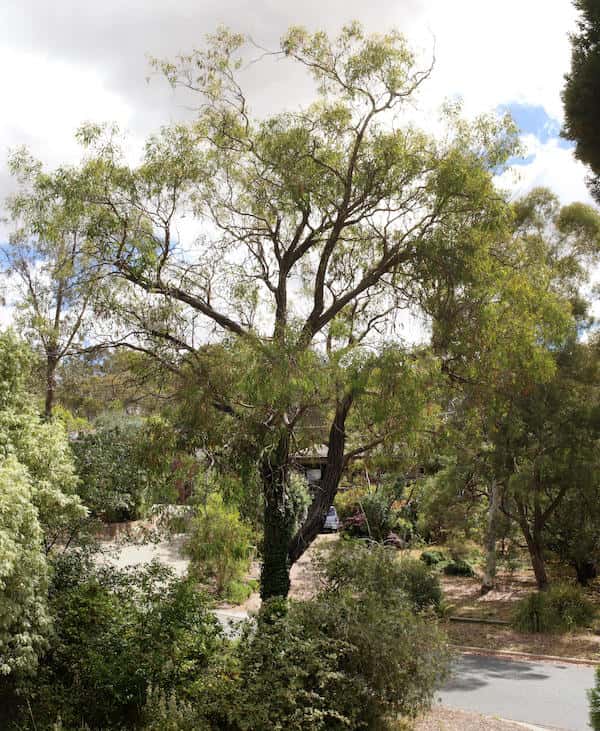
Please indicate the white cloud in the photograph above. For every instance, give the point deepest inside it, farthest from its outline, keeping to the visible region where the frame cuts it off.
(48, 99)
(553, 167)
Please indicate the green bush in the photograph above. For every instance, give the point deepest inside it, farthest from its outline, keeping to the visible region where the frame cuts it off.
(219, 544)
(571, 605)
(433, 558)
(114, 485)
(559, 609)
(116, 633)
(534, 614)
(327, 664)
(594, 696)
(458, 568)
(359, 568)
(422, 587)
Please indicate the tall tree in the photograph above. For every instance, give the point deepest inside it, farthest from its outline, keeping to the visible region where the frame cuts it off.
(530, 410)
(48, 252)
(316, 228)
(581, 94)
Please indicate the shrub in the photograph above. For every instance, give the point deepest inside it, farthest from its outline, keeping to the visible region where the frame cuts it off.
(335, 663)
(534, 614)
(115, 633)
(594, 696)
(361, 568)
(219, 544)
(347, 503)
(373, 515)
(571, 605)
(459, 568)
(561, 608)
(114, 485)
(422, 587)
(433, 558)
(327, 664)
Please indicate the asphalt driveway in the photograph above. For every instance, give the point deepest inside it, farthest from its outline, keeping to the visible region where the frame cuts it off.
(546, 694)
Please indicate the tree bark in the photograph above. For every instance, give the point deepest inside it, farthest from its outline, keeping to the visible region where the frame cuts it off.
(51, 363)
(489, 575)
(536, 552)
(275, 572)
(329, 483)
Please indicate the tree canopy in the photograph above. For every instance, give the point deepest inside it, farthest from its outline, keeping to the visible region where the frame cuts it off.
(581, 94)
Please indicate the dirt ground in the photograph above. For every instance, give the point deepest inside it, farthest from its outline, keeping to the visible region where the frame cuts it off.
(464, 596)
(446, 719)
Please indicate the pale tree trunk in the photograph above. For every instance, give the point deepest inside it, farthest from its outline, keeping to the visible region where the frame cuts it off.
(489, 574)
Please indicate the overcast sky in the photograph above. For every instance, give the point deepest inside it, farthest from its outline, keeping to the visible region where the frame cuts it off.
(63, 62)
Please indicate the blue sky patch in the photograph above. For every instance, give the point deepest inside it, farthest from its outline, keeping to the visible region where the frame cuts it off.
(535, 120)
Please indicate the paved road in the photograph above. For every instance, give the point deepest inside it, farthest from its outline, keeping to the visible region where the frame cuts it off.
(545, 694)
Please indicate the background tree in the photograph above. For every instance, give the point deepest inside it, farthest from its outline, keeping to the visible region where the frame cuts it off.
(37, 508)
(581, 94)
(502, 355)
(49, 255)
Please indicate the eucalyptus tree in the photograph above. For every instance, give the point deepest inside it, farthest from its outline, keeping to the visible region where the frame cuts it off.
(526, 404)
(48, 252)
(316, 228)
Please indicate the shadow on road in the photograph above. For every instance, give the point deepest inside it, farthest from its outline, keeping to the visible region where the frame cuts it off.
(471, 672)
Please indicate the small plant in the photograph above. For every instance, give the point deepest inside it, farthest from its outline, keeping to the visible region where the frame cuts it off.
(534, 614)
(236, 592)
(433, 558)
(560, 609)
(459, 567)
(594, 696)
(571, 605)
(219, 544)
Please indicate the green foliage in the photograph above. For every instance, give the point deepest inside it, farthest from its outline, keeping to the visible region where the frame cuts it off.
(594, 696)
(358, 567)
(37, 509)
(24, 620)
(219, 544)
(116, 633)
(561, 608)
(449, 503)
(347, 503)
(298, 497)
(459, 568)
(582, 89)
(124, 467)
(340, 660)
(372, 514)
(433, 558)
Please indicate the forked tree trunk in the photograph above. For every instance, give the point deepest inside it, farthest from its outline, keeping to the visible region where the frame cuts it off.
(327, 489)
(275, 572)
(489, 575)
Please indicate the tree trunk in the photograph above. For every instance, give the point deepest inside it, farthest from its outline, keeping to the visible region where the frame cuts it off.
(536, 553)
(489, 575)
(51, 363)
(275, 572)
(329, 484)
